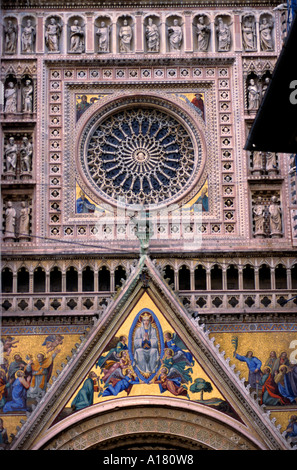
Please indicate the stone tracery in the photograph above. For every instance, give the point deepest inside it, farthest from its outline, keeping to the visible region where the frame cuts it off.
(142, 155)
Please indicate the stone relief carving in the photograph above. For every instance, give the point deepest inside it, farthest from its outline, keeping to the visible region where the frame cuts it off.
(53, 32)
(28, 37)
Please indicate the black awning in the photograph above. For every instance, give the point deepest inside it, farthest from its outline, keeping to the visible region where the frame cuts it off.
(275, 126)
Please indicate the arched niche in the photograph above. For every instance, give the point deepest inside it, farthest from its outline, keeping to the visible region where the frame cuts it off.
(10, 35)
(53, 34)
(28, 34)
(266, 32)
(201, 33)
(175, 34)
(76, 35)
(125, 34)
(103, 34)
(223, 33)
(249, 32)
(152, 33)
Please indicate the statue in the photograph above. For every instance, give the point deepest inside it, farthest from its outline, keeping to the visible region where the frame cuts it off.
(10, 154)
(203, 34)
(259, 218)
(125, 35)
(265, 86)
(26, 152)
(10, 98)
(28, 37)
(257, 163)
(103, 37)
(10, 215)
(52, 35)
(224, 36)
(77, 37)
(271, 163)
(253, 96)
(275, 218)
(24, 227)
(27, 94)
(152, 36)
(10, 32)
(266, 42)
(175, 35)
(249, 38)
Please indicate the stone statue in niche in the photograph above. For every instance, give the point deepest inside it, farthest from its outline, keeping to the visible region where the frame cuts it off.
(152, 36)
(10, 42)
(10, 215)
(125, 36)
(224, 36)
(259, 217)
(103, 33)
(175, 35)
(10, 154)
(24, 225)
(275, 218)
(249, 36)
(257, 163)
(271, 163)
(28, 37)
(203, 34)
(266, 41)
(253, 95)
(52, 35)
(10, 96)
(265, 86)
(26, 153)
(77, 38)
(27, 95)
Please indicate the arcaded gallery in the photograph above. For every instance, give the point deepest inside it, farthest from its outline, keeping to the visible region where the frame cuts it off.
(148, 258)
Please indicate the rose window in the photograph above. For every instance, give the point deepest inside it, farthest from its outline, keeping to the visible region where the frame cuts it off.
(140, 156)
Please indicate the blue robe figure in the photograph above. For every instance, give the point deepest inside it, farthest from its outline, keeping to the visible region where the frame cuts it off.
(254, 365)
(19, 398)
(123, 384)
(85, 396)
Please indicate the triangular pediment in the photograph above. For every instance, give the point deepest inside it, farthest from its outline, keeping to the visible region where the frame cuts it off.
(147, 348)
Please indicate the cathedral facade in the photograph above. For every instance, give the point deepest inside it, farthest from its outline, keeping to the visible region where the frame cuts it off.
(149, 269)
